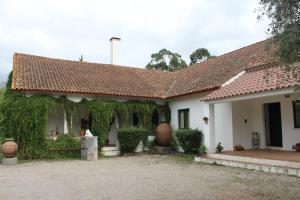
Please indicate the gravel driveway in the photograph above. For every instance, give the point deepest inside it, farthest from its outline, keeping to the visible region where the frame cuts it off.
(141, 177)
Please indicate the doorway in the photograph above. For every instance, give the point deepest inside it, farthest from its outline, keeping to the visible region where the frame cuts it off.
(273, 126)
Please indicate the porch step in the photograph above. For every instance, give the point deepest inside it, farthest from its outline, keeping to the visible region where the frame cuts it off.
(265, 165)
(255, 160)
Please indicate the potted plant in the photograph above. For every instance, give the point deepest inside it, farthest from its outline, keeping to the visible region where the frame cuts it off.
(238, 148)
(202, 150)
(296, 147)
(219, 148)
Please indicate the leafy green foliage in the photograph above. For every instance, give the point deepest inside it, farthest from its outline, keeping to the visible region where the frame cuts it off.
(285, 30)
(219, 148)
(63, 141)
(189, 139)
(64, 147)
(129, 138)
(202, 149)
(166, 60)
(25, 120)
(2, 138)
(102, 114)
(284, 26)
(199, 55)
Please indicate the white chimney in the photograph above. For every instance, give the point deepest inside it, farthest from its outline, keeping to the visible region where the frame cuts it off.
(114, 42)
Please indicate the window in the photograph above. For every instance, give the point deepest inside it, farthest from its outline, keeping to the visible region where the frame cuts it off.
(183, 118)
(296, 108)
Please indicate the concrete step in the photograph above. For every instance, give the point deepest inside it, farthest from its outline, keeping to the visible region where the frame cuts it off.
(251, 165)
(255, 160)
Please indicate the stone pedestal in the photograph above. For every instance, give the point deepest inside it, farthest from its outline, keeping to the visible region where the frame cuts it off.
(89, 148)
(10, 161)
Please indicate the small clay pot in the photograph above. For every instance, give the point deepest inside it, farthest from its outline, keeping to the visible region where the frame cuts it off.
(239, 148)
(9, 148)
(82, 133)
(163, 134)
(297, 147)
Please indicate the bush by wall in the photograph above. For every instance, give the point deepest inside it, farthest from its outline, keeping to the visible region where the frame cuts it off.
(189, 139)
(66, 146)
(129, 138)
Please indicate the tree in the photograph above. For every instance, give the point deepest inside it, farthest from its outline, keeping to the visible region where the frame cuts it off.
(81, 58)
(166, 60)
(284, 26)
(200, 55)
(285, 30)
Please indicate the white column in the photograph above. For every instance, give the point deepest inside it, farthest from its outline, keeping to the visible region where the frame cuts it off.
(224, 125)
(209, 128)
(65, 123)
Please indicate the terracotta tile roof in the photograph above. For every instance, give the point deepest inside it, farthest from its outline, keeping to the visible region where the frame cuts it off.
(36, 73)
(255, 80)
(214, 72)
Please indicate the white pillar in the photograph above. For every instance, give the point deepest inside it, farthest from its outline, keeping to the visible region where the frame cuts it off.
(65, 123)
(209, 128)
(224, 125)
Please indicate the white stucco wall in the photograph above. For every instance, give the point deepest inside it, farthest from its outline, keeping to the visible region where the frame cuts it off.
(196, 112)
(243, 123)
(224, 125)
(252, 110)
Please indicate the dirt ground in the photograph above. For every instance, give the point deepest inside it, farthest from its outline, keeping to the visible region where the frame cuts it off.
(141, 177)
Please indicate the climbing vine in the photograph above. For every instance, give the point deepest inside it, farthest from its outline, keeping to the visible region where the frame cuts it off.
(102, 114)
(69, 108)
(26, 118)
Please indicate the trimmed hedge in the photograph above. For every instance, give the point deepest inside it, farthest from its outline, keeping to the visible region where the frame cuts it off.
(189, 139)
(129, 138)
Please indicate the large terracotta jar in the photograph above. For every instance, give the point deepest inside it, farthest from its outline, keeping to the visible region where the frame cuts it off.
(163, 134)
(9, 148)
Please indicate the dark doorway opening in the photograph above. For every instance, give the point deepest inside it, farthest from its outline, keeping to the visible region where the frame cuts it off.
(273, 126)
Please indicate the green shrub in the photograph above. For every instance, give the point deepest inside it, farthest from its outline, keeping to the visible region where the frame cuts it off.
(189, 139)
(1, 138)
(64, 147)
(202, 149)
(129, 138)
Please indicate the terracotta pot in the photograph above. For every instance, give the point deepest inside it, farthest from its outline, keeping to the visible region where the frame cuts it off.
(239, 148)
(163, 134)
(297, 147)
(82, 132)
(9, 148)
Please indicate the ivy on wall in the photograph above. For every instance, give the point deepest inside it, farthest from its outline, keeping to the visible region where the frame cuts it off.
(26, 118)
(102, 114)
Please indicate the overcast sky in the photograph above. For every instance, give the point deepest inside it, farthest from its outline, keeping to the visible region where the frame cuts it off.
(67, 29)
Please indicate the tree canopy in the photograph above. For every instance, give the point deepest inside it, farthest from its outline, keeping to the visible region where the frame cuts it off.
(285, 29)
(166, 60)
(284, 26)
(200, 55)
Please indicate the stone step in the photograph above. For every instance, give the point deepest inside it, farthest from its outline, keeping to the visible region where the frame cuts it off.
(250, 165)
(255, 160)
